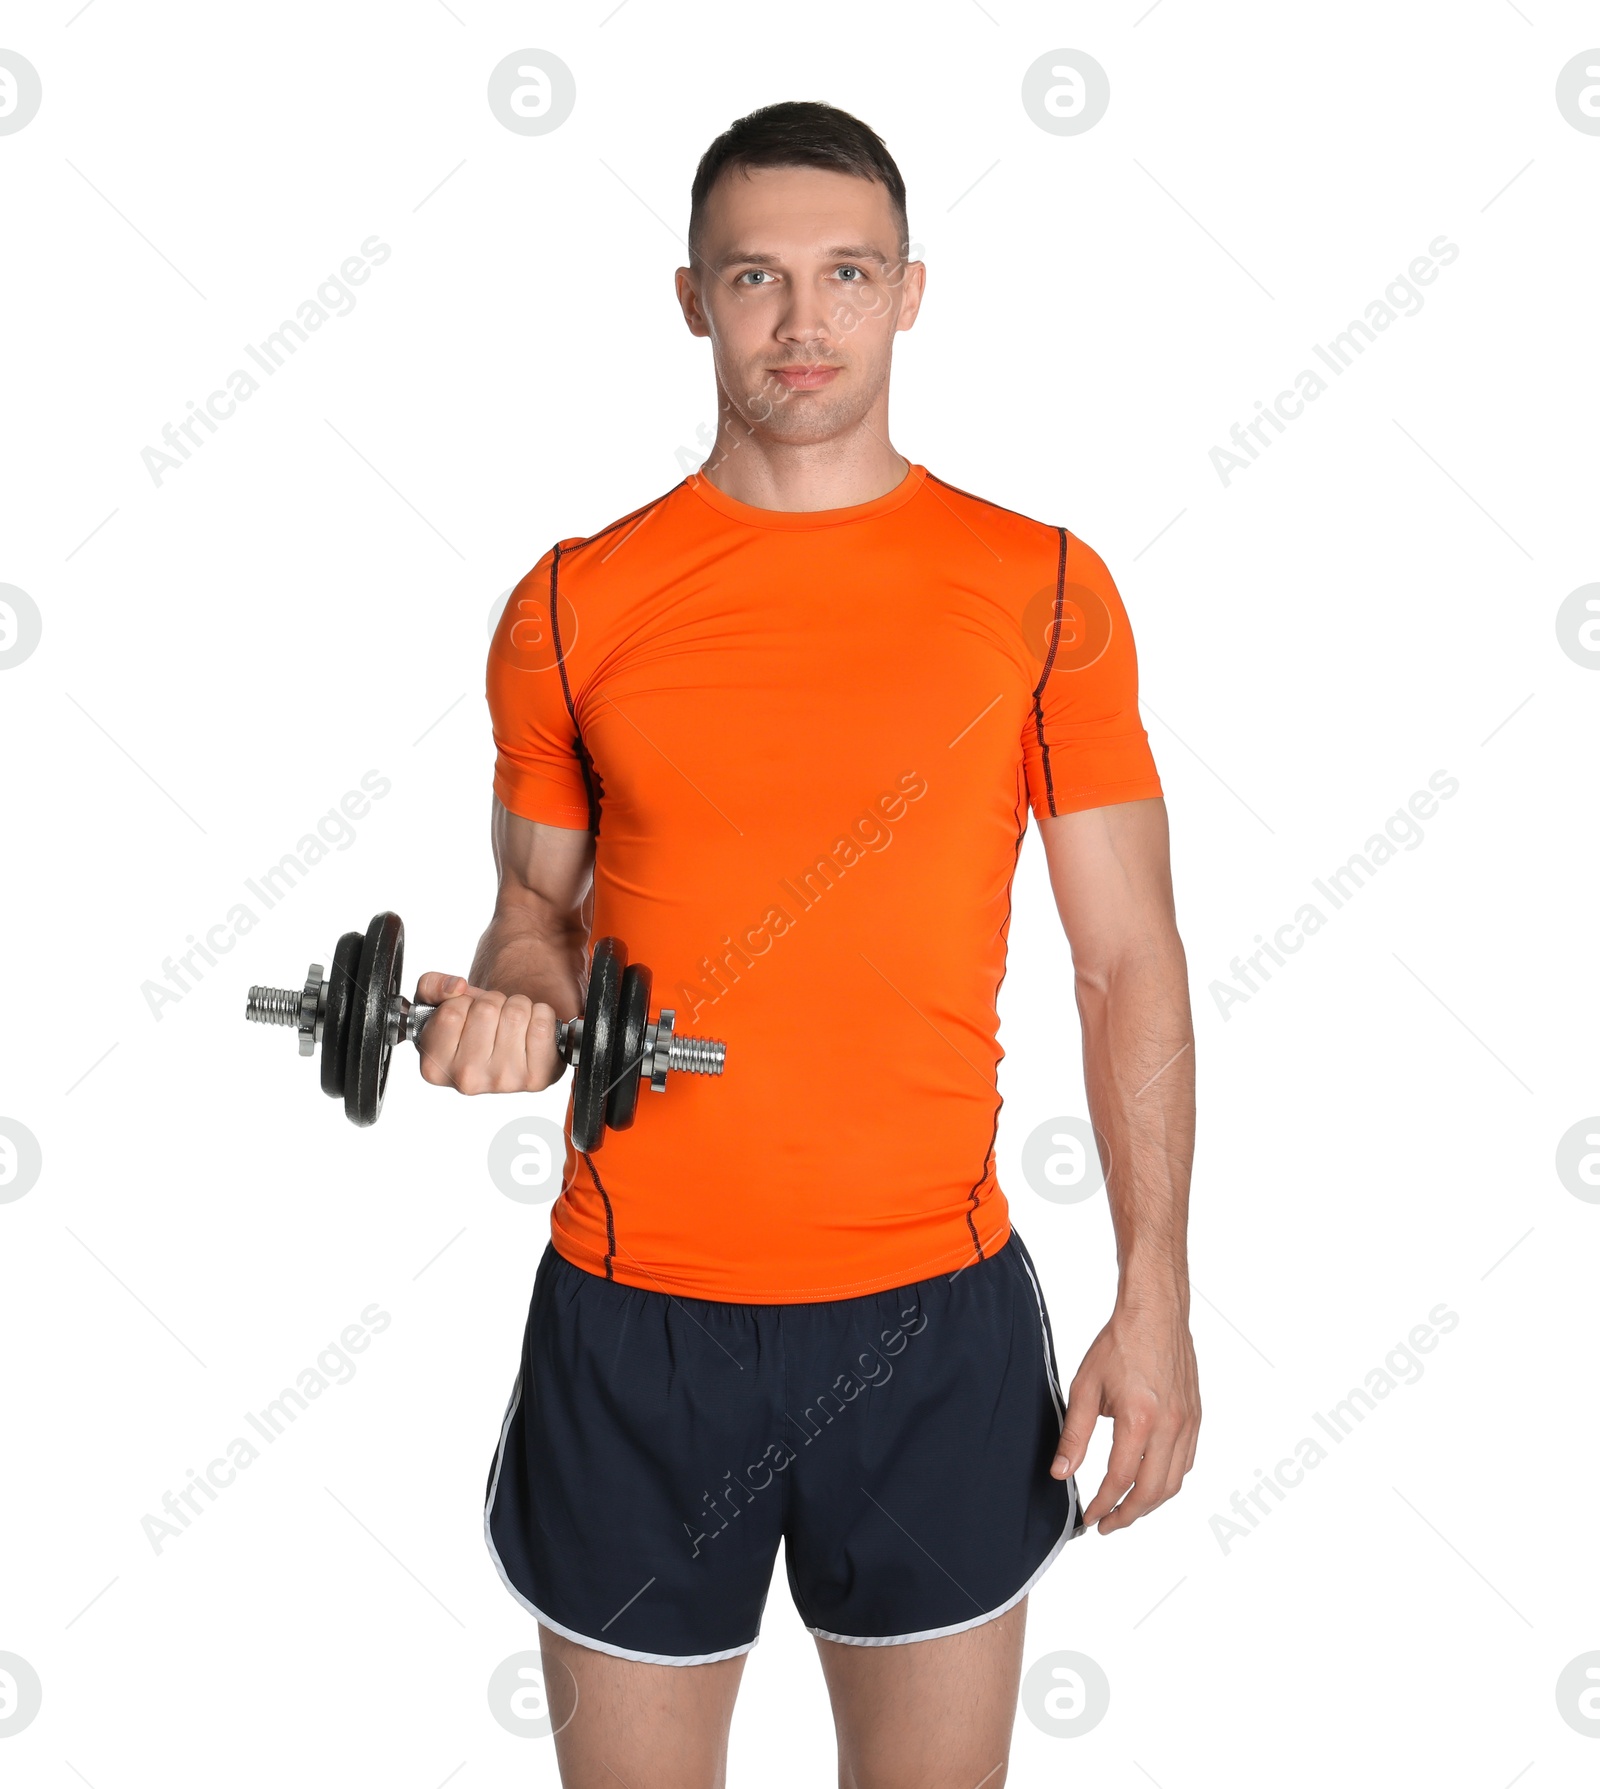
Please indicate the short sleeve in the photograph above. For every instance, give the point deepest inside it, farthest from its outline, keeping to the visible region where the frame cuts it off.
(539, 767)
(1083, 744)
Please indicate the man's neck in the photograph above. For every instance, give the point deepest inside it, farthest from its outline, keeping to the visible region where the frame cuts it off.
(852, 468)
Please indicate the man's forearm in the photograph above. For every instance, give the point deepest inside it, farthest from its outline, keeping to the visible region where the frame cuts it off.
(540, 954)
(1138, 1052)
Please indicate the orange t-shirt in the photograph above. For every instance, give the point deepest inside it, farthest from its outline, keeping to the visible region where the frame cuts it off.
(807, 743)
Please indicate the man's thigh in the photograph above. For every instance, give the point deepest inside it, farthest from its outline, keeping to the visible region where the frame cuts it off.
(928, 1714)
(645, 1726)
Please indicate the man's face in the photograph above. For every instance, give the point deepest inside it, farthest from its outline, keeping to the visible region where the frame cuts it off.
(801, 289)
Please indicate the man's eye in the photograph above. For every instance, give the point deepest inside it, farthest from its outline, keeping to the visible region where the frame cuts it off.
(755, 273)
(855, 272)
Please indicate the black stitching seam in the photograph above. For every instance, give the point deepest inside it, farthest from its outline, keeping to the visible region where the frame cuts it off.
(623, 521)
(1055, 625)
(1016, 854)
(591, 776)
(593, 784)
(986, 502)
(972, 1196)
(1044, 678)
(611, 1228)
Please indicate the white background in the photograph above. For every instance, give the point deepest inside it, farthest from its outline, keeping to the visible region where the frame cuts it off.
(225, 654)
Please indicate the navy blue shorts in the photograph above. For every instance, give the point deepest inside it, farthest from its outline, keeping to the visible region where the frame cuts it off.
(656, 1449)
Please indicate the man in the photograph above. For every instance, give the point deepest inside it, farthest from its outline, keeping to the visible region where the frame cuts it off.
(780, 730)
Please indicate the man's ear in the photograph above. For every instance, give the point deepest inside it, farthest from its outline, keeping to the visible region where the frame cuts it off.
(689, 298)
(912, 287)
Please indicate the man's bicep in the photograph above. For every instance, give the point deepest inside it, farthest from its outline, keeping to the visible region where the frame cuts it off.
(1111, 873)
(542, 866)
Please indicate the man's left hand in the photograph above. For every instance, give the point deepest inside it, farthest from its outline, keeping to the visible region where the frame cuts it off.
(1140, 1371)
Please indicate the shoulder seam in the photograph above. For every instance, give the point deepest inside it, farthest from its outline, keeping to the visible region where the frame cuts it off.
(591, 778)
(989, 504)
(1044, 676)
(622, 521)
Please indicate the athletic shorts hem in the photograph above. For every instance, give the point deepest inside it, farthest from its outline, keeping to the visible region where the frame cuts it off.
(616, 1652)
(605, 1646)
(1074, 1527)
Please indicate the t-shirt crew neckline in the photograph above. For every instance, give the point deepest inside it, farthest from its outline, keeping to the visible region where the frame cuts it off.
(753, 517)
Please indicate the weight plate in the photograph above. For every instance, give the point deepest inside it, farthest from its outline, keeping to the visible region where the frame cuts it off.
(627, 1055)
(336, 1015)
(366, 1070)
(589, 1085)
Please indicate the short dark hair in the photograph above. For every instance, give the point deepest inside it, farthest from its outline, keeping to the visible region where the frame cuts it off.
(798, 133)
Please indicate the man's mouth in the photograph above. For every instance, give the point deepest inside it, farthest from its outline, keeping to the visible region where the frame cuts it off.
(805, 378)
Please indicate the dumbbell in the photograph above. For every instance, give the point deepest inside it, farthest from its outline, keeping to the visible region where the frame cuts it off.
(359, 1015)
